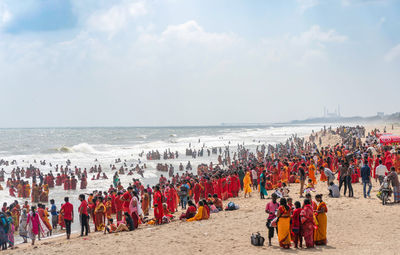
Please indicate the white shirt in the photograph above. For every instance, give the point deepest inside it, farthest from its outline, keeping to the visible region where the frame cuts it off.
(381, 170)
(335, 190)
(254, 174)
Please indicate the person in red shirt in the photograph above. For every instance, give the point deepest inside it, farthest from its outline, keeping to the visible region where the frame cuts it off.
(68, 210)
(118, 206)
(126, 198)
(83, 214)
(296, 225)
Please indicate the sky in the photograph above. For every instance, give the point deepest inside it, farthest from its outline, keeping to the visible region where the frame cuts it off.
(187, 62)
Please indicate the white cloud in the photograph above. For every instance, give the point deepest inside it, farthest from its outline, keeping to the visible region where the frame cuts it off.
(360, 2)
(306, 48)
(304, 5)
(315, 34)
(393, 54)
(5, 14)
(191, 32)
(116, 17)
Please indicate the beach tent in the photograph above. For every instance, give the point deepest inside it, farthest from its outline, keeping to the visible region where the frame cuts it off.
(387, 139)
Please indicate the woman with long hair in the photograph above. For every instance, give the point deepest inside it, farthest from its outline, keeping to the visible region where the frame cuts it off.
(33, 225)
(283, 215)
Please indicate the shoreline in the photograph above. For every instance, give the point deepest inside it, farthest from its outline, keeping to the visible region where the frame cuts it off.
(230, 231)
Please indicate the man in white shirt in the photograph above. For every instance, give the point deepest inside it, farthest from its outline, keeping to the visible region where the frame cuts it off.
(381, 172)
(254, 176)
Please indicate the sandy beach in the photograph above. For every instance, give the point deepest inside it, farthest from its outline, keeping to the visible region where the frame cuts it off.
(355, 226)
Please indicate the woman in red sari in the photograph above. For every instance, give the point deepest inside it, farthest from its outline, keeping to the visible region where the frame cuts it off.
(158, 207)
(307, 223)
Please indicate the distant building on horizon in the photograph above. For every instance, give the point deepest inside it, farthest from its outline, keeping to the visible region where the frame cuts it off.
(380, 114)
(334, 114)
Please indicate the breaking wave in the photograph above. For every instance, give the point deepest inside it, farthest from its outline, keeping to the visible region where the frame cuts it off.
(80, 148)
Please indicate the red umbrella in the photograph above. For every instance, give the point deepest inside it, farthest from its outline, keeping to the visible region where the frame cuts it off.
(389, 139)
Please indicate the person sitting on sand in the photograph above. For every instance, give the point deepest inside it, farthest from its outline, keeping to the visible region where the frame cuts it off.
(126, 225)
(310, 187)
(217, 202)
(333, 190)
(111, 227)
(190, 212)
(201, 213)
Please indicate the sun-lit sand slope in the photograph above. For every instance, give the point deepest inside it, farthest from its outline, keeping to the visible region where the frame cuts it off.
(355, 226)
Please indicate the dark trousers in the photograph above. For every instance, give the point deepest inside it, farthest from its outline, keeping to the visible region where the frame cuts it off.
(347, 184)
(84, 224)
(68, 226)
(261, 191)
(341, 182)
(271, 230)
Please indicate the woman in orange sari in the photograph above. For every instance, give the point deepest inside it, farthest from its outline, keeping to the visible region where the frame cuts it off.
(311, 172)
(284, 224)
(246, 184)
(61, 221)
(320, 235)
(145, 202)
(100, 213)
(285, 174)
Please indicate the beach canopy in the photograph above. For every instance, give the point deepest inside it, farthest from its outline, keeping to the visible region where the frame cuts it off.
(389, 139)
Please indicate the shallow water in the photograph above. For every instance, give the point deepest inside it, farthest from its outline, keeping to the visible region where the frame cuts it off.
(83, 145)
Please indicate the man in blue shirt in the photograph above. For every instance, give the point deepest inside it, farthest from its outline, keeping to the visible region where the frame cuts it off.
(54, 214)
(366, 179)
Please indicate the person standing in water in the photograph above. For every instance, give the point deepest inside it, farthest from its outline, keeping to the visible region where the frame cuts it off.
(68, 210)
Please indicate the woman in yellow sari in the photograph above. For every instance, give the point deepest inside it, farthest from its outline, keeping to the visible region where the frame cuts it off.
(283, 215)
(320, 235)
(99, 215)
(201, 213)
(246, 184)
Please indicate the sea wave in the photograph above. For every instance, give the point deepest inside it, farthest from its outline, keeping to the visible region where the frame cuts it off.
(79, 148)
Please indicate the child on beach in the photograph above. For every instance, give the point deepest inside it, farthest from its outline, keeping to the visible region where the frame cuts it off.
(111, 227)
(296, 225)
(310, 187)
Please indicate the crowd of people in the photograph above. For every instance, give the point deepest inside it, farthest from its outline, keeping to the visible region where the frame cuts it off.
(269, 169)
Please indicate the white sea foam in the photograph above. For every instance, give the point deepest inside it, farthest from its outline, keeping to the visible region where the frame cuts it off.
(82, 148)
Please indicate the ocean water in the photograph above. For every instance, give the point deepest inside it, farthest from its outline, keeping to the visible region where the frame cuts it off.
(82, 146)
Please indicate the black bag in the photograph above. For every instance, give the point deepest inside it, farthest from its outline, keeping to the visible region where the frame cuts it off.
(257, 239)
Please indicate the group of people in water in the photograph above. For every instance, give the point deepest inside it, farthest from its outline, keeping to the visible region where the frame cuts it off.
(267, 169)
